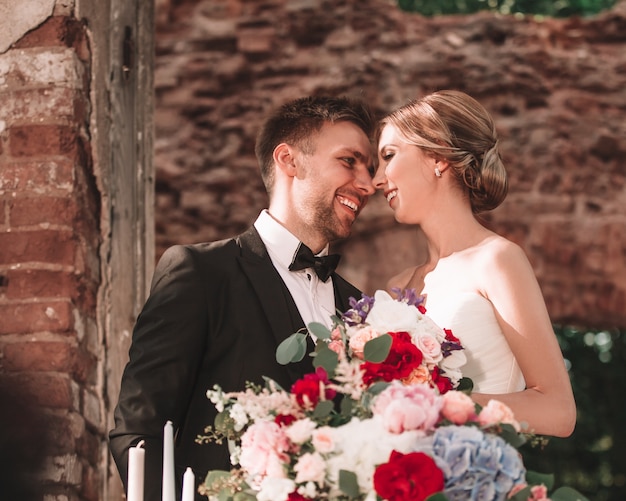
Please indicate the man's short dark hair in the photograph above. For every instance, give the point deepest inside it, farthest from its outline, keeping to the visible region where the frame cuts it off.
(296, 123)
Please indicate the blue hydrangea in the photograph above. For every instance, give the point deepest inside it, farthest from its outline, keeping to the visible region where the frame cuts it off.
(477, 466)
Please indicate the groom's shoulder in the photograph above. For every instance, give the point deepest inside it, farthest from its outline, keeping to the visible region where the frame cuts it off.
(203, 253)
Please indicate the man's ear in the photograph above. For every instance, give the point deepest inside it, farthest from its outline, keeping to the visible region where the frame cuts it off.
(284, 159)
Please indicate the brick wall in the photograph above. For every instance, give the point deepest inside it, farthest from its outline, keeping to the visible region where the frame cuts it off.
(49, 263)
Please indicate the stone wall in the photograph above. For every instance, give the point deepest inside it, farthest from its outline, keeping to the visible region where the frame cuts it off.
(557, 89)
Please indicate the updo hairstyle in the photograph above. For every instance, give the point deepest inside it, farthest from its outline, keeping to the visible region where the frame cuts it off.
(451, 126)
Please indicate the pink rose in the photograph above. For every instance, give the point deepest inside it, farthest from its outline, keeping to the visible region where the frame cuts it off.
(311, 467)
(404, 408)
(458, 407)
(338, 347)
(539, 493)
(263, 449)
(359, 338)
(430, 348)
(495, 412)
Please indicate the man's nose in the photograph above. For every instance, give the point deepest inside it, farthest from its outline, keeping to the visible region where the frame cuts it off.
(364, 183)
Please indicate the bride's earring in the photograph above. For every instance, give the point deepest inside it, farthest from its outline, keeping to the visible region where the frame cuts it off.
(437, 172)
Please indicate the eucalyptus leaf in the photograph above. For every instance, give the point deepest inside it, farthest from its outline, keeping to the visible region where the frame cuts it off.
(536, 478)
(215, 475)
(466, 385)
(244, 496)
(567, 494)
(348, 483)
(326, 358)
(511, 436)
(323, 409)
(225, 495)
(378, 387)
(522, 495)
(346, 407)
(320, 331)
(377, 349)
(336, 320)
(270, 384)
(223, 423)
(438, 496)
(291, 349)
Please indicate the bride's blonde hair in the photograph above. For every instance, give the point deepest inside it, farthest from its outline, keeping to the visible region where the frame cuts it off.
(449, 125)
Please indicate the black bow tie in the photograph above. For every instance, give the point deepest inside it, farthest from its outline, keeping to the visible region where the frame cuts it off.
(323, 265)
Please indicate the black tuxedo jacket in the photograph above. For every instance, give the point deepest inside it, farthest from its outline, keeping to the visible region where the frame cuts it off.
(215, 315)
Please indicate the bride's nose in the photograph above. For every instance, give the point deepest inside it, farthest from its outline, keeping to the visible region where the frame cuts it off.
(379, 179)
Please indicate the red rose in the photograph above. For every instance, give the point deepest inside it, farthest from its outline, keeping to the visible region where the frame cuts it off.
(296, 496)
(408, 477)
(441, 382)
(312, 388)
(284, 419)
(403, 357)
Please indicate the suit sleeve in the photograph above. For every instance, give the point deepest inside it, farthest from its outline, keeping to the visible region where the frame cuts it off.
(168, 343)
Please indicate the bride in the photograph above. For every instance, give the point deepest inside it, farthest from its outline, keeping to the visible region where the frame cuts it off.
(439, 167)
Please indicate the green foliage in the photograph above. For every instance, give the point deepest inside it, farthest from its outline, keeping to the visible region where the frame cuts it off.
(292, 349)
(552, 8)
(592, 459)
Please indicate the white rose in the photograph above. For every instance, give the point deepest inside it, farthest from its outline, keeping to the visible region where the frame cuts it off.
(389, 315)
(300, 431)
(310, 468)
(275, 489)
(322, 439)
(427, 327)
(452, 364)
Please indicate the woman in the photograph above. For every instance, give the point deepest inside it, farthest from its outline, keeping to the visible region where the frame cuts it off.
(439, 167)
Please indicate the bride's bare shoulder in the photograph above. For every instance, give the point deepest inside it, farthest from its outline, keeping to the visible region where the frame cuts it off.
(499, 251)
(499, 246)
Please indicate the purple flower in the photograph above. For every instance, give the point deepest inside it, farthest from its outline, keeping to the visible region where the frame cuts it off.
(408, 296)
(447, 347)
(358, 310)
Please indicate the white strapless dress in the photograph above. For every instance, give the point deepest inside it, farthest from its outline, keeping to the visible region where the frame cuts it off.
(490, 362)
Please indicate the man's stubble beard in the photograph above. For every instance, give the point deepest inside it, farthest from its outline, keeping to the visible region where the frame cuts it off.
(328, 223)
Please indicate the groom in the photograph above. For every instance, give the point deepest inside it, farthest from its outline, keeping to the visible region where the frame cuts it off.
(217, 311)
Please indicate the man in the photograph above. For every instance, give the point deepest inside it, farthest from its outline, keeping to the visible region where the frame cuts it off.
(217, 311)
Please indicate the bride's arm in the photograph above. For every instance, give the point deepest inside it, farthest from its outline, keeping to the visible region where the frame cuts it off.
(547, 404)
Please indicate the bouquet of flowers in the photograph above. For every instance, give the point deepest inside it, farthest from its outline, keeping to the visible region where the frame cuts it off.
(383, 417)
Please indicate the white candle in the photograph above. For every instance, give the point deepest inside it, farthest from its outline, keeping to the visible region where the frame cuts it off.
(136, 464)
(169, 488)
(189, 485)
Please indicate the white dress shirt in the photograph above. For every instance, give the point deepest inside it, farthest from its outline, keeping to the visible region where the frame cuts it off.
(315, 299)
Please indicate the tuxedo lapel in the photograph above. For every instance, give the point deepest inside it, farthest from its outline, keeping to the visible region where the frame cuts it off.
(343, 292)
(277, 303)
(273, 295)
